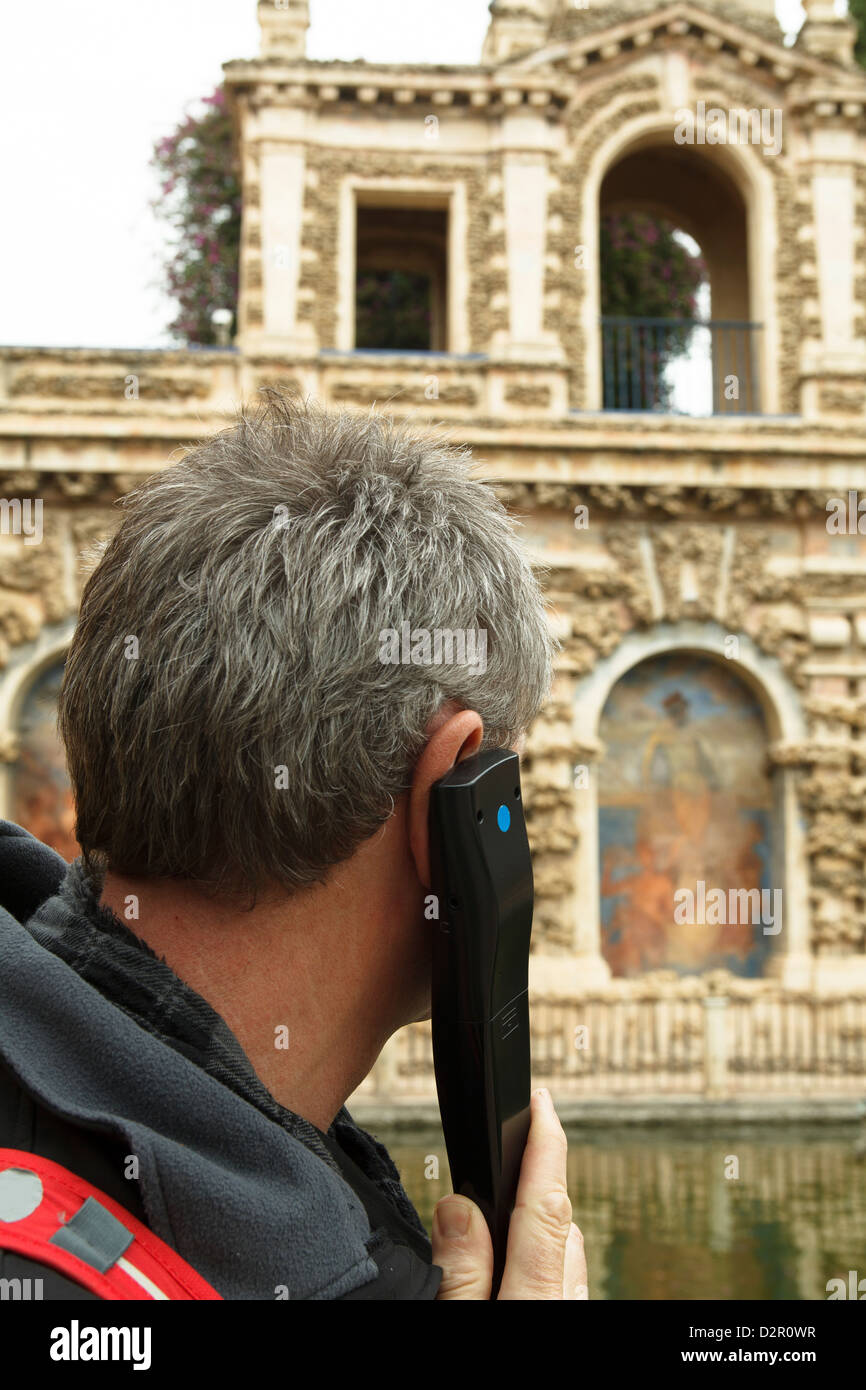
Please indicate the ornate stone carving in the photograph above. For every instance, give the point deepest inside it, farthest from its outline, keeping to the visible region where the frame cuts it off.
(20, 618)
(400, 393)
(24, 484)
(681, 500)
(89, 386)
(533, 397)
(79, 484)
(551, 827)
(597, 628)
(842, 398)
(699, 547)
(91, 534)
(125, 482)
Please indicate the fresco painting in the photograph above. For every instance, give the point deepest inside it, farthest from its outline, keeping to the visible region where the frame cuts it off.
(41, 794)
(684, 797)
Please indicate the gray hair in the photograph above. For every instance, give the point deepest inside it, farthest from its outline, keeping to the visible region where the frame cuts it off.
(256, 576)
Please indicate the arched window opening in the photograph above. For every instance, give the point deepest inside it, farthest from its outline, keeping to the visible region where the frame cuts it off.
(686, 822)
(41, 794)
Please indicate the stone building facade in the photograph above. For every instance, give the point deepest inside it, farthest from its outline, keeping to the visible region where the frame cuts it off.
(728, 539)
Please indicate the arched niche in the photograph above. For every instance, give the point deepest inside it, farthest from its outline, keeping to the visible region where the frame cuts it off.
(789, 958)
(688, 839)
(34, 786)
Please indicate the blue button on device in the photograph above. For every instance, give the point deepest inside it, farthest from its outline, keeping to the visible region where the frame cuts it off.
(503, 817)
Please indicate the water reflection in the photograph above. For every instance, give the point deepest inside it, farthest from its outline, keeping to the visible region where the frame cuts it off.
(662, 1220)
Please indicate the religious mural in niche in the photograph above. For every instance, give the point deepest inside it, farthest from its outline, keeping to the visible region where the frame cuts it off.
(685, 803)
(41, 794)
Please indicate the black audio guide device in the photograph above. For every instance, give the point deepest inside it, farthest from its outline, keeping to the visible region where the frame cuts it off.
(482, 876)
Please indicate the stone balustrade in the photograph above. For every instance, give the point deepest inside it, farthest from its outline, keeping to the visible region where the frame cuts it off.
(648, 1037)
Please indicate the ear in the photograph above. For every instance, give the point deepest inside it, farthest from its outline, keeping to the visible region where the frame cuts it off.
(457, 736)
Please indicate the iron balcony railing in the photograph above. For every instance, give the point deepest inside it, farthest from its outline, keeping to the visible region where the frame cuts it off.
(681, 366)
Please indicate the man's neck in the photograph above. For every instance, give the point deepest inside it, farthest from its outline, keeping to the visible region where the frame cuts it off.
(311, 985)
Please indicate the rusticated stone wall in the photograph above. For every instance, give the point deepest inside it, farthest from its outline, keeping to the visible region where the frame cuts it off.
(485, 249)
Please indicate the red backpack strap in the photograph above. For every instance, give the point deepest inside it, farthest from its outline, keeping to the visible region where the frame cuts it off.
(50, 1215)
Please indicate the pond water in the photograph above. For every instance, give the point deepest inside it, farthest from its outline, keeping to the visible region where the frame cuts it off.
(770, 1213)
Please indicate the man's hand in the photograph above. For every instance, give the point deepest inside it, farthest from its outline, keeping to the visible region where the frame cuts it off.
(545, 1256)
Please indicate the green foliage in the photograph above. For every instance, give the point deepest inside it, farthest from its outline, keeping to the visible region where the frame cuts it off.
(857, 12)
(200, 199)
(393, 310)
(646, 273)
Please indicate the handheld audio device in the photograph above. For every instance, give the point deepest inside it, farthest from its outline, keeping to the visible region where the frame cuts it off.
(482, 877)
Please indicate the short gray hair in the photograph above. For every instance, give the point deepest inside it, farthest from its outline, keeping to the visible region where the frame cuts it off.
(256, 575)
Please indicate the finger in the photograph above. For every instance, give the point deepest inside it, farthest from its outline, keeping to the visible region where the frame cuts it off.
(574, 1280)
(541, 1220)
(462, 1249)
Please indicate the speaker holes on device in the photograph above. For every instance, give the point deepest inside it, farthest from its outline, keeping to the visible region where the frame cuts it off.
(516, 793)
(479, 816)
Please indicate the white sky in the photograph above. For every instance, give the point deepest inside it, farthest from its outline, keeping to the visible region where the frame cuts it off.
(90, 85)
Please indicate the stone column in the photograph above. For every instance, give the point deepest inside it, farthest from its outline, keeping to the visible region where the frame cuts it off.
(792, 962)
(526, 145)
(282, 195)
(591, 969)
(836, 360)
(833, 193)
(386, 1074)
(715, 1045)
(583, 967)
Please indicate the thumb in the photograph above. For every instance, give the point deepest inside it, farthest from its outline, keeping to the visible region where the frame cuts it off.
(462, 1249)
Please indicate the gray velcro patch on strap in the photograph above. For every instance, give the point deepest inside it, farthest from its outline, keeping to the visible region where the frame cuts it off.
(94, 1235)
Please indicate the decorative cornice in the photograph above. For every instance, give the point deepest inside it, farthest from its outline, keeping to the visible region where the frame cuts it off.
(642, 501)
(337, 86)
